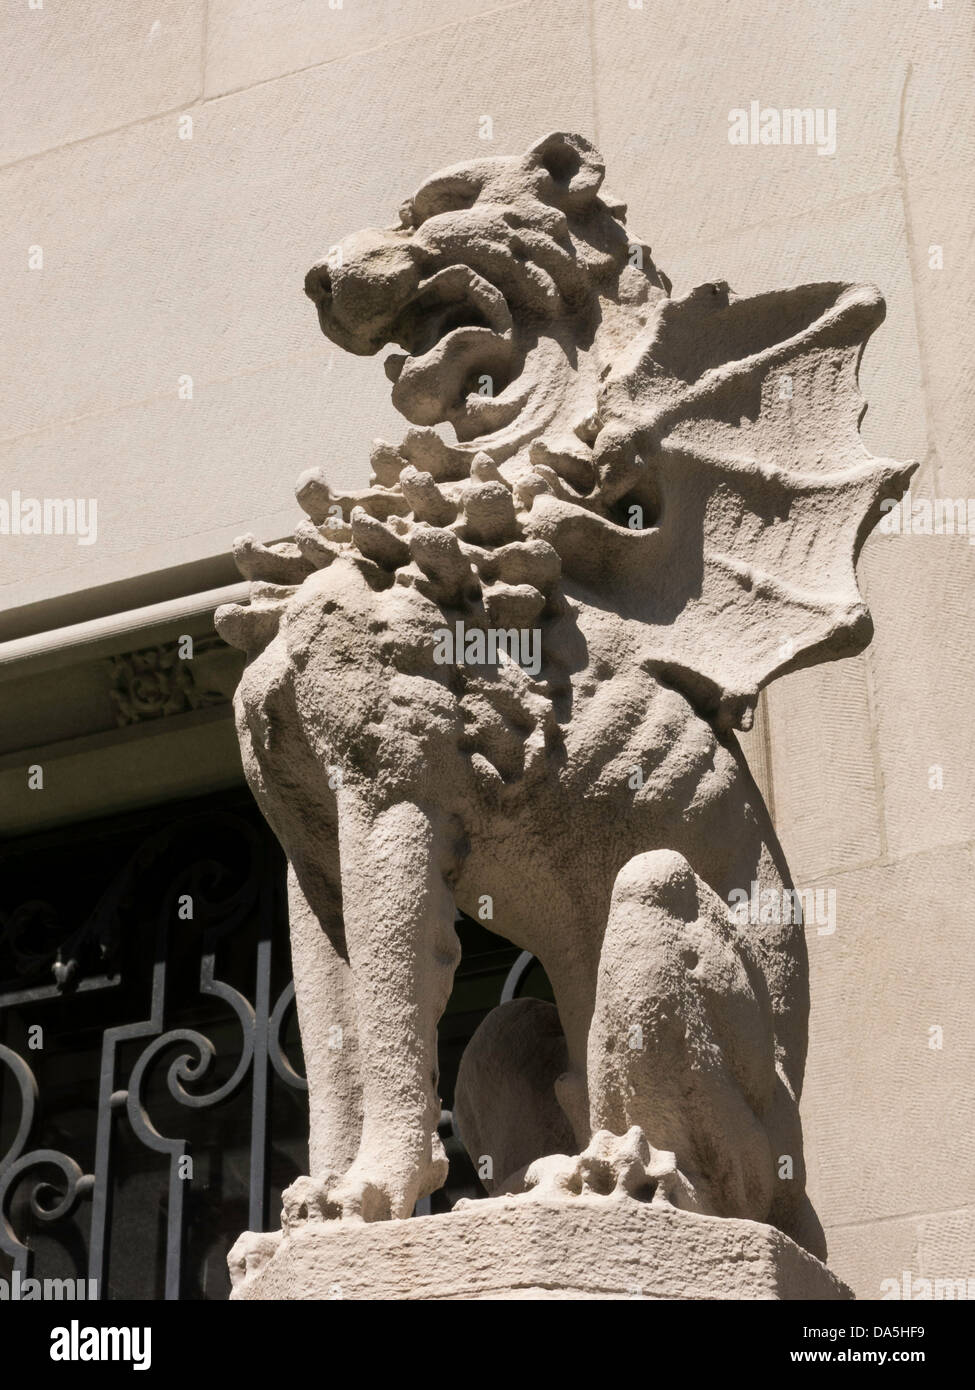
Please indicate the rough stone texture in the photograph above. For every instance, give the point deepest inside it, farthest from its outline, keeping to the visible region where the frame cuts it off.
(502, 1249)
(662, 499)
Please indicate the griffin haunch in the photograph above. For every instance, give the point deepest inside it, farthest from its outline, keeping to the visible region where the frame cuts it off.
(488, 646)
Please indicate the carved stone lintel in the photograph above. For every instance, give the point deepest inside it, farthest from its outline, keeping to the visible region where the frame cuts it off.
(159, 681)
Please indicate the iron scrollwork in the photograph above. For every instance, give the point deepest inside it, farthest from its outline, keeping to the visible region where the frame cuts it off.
(222, 900)
(154, 1063)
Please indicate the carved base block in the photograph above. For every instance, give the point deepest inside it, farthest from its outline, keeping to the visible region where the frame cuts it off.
(589, 1247)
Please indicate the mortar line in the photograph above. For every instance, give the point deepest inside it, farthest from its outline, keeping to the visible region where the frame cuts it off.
(204, 100)
(899, 1216)
(900, 163)
(593, 72)
(116, 409)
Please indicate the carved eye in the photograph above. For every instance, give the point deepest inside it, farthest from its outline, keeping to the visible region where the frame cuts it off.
(641, 509)
(562, 161)
(444, 195)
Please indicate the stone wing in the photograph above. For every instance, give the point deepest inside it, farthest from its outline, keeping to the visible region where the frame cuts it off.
(735, 422)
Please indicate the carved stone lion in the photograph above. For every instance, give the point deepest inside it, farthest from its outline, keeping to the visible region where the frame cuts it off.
(666, 496)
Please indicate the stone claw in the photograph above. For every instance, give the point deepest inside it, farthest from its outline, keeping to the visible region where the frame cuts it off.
(617, 1166)
(250, 1253)
(307, 1199)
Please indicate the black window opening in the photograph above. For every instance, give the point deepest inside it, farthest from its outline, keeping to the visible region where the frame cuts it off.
(152, 1101)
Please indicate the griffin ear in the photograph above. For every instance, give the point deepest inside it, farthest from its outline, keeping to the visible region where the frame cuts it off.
(574, 166)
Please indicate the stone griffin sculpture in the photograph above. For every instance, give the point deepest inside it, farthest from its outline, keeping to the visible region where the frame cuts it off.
(671, 493)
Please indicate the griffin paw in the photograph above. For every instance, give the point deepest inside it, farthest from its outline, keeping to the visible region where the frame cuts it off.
(250, 1253)
(308, 1199)
(355, 1196)
(366, 1192)
(617, 1166)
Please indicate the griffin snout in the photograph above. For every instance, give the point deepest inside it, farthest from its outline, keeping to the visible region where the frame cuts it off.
(361, 286)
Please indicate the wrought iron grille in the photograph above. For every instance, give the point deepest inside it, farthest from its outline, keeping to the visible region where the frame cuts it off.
(152, 1103)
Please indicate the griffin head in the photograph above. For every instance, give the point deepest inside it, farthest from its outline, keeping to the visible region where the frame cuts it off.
(490, 284)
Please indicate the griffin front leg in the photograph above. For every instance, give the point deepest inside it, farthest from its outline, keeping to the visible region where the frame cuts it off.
(403, 950)
(326, 1015)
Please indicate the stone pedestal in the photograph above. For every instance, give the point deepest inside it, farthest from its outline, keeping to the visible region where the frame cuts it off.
(512, 1248)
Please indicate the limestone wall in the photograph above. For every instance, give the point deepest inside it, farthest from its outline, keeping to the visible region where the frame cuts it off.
(174, 249)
